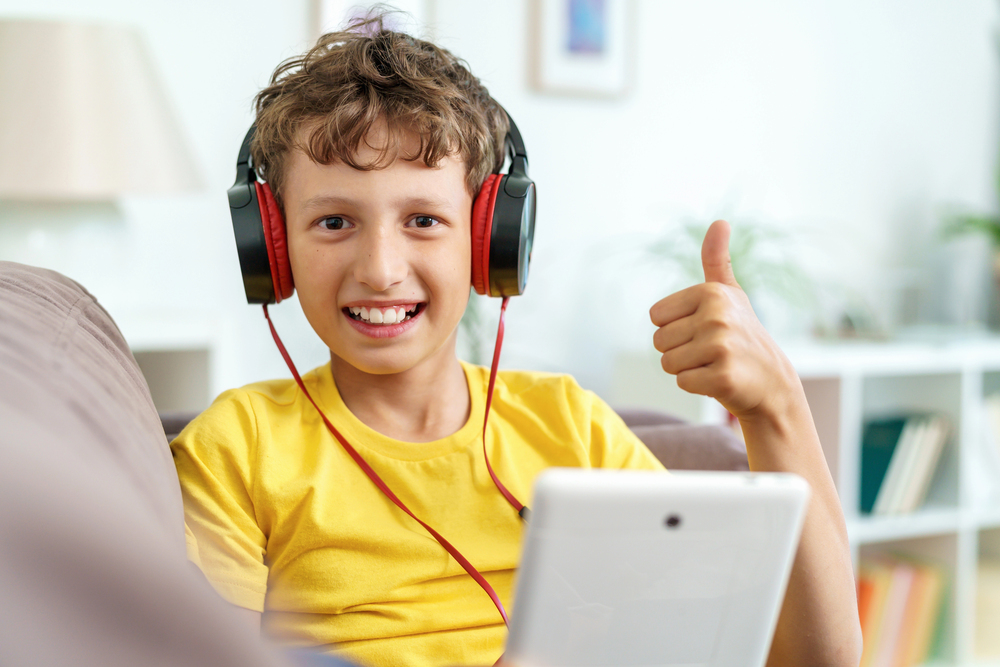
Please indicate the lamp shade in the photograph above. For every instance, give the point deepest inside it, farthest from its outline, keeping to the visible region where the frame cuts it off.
(83, 115)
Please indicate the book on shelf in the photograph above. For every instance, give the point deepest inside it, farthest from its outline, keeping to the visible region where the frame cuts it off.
(900, 604)
(898, 458)
(988, 609)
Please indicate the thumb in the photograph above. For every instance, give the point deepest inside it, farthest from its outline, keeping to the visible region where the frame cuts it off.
(715, 255)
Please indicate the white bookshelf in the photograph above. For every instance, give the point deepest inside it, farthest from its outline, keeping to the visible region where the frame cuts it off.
(846, 384)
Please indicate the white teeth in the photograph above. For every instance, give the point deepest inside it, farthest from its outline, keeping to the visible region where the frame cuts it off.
(390, 315)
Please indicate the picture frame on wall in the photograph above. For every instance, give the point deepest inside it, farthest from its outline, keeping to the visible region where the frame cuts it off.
(414, 16)
(582, 47)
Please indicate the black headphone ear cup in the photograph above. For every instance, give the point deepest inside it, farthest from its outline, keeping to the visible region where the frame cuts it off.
(251, 206)
(251, 242)
(511, 236)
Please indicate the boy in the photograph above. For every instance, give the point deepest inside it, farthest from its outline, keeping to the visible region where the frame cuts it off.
(374, 144)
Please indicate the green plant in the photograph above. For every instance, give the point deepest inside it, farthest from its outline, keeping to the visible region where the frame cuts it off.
(988, 226)
(760, 256)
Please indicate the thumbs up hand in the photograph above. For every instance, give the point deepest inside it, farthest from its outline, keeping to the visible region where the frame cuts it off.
(713, 342)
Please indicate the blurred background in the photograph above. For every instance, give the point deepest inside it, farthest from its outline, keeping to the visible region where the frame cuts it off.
(853, 145)
(842, 139)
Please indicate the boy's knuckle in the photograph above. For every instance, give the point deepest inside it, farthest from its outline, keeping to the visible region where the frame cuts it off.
(686, 382)
(656, 313)
(659, 340)
(718, 322)
(666, 363)
(725, 381)
(719, 349)
(715, 291)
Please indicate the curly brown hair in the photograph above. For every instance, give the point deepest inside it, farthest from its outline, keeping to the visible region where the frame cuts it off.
(368, 75)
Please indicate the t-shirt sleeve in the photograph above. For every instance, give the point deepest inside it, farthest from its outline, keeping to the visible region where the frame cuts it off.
(214, 457)
(612, 443)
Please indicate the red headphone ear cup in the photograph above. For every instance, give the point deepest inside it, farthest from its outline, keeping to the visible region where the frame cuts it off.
(277, 245)
(482, 230)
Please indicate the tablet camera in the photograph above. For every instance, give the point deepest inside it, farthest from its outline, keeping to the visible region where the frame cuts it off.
(673, 521)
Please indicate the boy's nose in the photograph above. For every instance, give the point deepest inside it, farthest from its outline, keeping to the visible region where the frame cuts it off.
(381, 261)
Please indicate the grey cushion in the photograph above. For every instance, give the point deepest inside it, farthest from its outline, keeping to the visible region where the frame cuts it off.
(174, 422)
(67, 366)
(683, 446)
(92, 563)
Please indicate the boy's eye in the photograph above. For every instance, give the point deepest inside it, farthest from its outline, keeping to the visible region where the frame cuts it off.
(423, 221)
(334, 222)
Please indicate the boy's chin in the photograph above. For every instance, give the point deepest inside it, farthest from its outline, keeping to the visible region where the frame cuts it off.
(391, 362)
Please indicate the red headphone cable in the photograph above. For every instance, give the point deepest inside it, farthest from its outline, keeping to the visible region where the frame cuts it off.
(384, 488)
(522, 511)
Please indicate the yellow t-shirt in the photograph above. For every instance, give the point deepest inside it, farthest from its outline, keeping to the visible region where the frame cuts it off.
(281, 520)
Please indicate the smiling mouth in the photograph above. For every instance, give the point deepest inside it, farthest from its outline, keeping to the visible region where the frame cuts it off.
(384, 316)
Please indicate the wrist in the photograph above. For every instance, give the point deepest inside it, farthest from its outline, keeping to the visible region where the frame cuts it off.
(779, 433)
(782, 398)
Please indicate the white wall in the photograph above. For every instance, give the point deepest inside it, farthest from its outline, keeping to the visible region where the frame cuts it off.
(850, 121)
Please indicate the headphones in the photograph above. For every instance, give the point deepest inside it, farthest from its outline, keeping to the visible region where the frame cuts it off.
(503, 227)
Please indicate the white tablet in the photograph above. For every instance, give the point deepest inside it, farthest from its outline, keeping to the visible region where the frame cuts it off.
(630, 568)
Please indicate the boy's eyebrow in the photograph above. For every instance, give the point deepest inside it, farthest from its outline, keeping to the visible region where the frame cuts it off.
(323, 201)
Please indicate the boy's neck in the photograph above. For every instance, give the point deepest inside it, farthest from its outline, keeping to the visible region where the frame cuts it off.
(427, 402)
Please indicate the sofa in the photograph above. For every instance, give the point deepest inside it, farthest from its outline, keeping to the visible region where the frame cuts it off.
(92, 559)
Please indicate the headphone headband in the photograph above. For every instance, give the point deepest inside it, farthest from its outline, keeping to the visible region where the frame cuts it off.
(244, 156)
(515, 138)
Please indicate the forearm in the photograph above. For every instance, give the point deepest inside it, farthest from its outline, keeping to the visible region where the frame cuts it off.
(818, 624)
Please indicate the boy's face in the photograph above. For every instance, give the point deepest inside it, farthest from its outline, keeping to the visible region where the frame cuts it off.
(367, 247)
